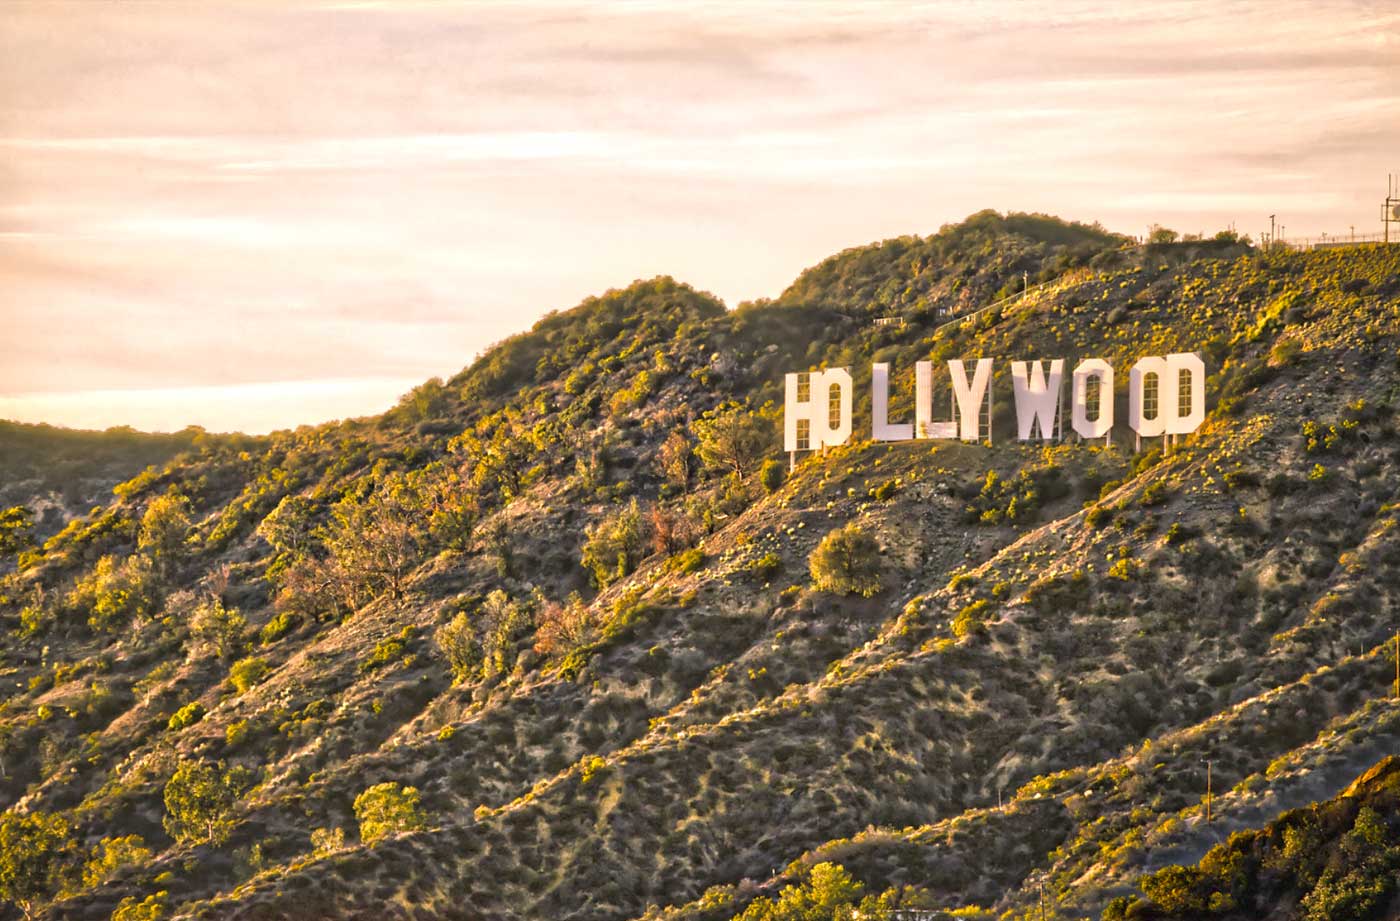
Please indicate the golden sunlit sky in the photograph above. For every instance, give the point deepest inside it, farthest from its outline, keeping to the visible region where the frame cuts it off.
(251, 215)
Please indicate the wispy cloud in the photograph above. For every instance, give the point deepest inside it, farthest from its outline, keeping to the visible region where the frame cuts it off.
(209, 195)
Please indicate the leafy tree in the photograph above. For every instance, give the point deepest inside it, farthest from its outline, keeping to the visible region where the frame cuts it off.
(386, 809)
(199, 801)
(164, 528)
(504, 622)
(674, 460)
(829, 894)
(1161, 234)
(377, 541)
(457, 642)
(16, 530)
(498, 544)
(217, 629)
(288, 527)
(110, 855)
(614, 546)
(732, 439)
(425, 401)
(1175, 888)
(494, 456)
(847, 562)
(34, 852)
(562, 628)
(115, 592)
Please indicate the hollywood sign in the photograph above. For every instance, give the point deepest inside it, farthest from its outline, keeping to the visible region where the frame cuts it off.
(1166, 397)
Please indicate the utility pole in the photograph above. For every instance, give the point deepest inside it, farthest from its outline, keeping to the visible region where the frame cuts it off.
(1272, 235)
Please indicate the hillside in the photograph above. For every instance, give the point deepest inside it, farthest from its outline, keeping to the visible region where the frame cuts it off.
(59, 473)
(565, 597)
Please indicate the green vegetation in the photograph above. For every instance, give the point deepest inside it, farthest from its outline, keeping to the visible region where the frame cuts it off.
(388, 809)
(847, 562)
(33, 858)
(557, 599)
(199, 801)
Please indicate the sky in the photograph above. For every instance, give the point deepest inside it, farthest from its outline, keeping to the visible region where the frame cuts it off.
(254, 215)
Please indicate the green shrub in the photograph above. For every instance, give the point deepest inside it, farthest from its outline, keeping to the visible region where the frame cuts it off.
(326, 841)
(687, 561)
(151, 908)
(457, 642)
(279, 626)
(247, 672)
(885, 490)
(771, 474)
(187, 715)
(847, 562)
(970, 618)
(386, 809)
(236, 733)
(766, 567)
(111, 855)
(1176, 889)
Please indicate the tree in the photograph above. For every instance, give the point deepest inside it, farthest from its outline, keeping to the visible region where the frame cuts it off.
(377, 541)
(115, 592)
(287, 528)
(674, 460)
(164, 528)
(217, 629)
(16, 530)
(425, 401)
(34, 851)
(829, 894)
(613, 547)
(386, 809)
(562, 628)
(199, 801)
(1160, 234)
(847, 562)
(457, 642)
(732, 439)
(1176, 889)
(504, 622)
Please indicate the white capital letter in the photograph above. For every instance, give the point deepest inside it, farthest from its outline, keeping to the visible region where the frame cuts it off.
(924, 426)
(1088, 369)
(881, 429)
(1037, 397)
(970, 396)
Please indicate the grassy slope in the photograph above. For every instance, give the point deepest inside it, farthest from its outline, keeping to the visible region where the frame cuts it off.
(728, 726)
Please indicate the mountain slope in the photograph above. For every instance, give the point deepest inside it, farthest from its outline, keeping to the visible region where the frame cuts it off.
(1022, 709)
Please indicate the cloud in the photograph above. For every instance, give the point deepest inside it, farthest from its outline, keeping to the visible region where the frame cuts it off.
(225, 194)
